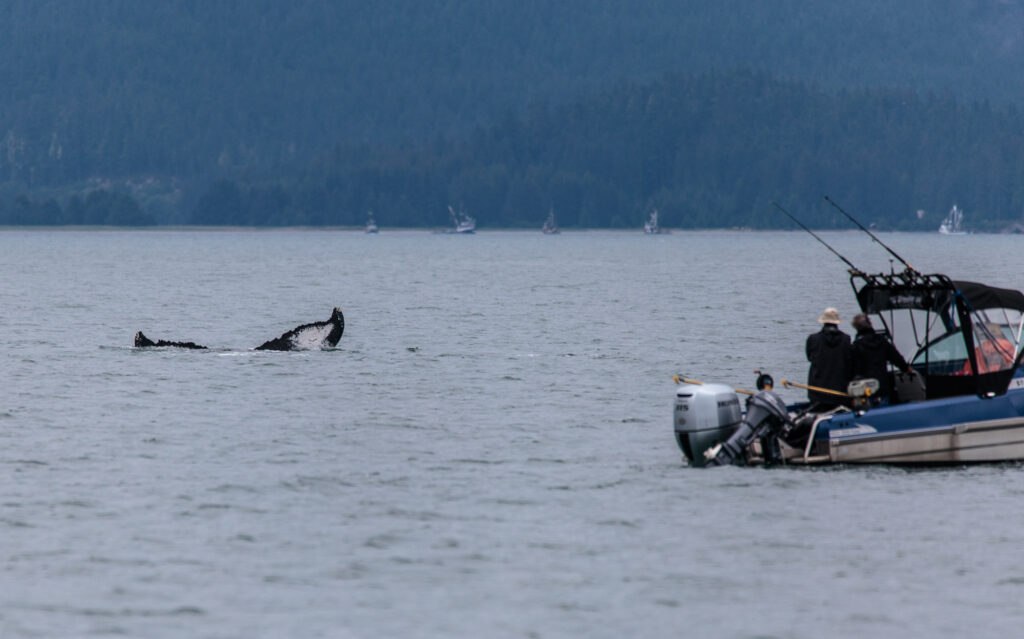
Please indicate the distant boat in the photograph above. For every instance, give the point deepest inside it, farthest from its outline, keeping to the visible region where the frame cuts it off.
(371, 224)
(953, 224)
(550, 226)
(651, 225)
(464, 223)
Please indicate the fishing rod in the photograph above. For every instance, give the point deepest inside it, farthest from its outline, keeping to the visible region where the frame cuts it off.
(863, 228)
(853, 269)
(819, 389)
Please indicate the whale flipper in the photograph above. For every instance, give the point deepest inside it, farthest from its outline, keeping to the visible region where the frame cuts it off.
(309, 336)
(141, 341)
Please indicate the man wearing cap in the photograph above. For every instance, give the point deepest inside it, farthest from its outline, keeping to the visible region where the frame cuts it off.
(831, 360)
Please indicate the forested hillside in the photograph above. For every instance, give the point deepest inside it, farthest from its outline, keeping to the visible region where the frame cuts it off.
(161, 99)
(707, 151)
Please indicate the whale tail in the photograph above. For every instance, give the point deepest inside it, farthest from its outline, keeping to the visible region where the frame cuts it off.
(141, 341)
(312, 336)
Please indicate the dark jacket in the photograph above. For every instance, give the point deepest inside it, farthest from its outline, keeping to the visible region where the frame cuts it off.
(871, 352)
(831, 360)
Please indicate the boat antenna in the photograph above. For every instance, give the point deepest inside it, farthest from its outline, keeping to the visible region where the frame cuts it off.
(863, 228)
(853, 269)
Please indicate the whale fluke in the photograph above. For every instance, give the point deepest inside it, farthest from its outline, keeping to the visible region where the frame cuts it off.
(309, 336)
(141, 341)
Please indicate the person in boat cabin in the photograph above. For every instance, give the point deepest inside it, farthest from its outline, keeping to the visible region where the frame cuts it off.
(991, 348)
(830, 354)
(871, 353)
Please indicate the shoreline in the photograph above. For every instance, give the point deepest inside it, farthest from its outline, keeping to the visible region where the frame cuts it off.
(444, 231)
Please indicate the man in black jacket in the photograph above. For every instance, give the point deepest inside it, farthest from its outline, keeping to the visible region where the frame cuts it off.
(871, 353)
(830, 356)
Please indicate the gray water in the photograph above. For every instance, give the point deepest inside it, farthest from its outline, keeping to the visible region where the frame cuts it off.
(488, 452)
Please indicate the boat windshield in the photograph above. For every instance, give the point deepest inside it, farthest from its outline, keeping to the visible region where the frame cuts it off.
(945, 356)
(995, 346)
(932, 342)
(910, 329)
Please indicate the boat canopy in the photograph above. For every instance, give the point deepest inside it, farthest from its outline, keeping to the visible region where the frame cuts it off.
(981, 296)
(948, 329)
(930, 293)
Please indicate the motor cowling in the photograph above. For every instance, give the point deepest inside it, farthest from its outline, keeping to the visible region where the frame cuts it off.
(704, 416)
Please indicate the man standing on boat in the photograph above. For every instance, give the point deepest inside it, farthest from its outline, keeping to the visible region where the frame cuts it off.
(872, 352)
(831, 358)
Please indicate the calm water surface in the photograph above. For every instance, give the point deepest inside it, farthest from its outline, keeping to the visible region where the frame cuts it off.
(487, 453)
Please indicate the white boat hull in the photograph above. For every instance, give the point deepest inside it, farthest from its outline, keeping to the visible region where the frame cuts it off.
(985, 441)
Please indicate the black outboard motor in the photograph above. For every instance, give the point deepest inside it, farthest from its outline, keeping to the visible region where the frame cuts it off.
(766, 418)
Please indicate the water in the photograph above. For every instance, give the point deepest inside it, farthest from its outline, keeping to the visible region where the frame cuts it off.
(487, 453)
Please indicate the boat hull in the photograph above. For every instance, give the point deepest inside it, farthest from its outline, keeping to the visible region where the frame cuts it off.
(985, 441)
(953, 430)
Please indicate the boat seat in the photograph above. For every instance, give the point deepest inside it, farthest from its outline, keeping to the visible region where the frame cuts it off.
(908, 387)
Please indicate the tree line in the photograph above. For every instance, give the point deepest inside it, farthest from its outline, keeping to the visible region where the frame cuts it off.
(195, 90)
(708, 151)
(96, 208)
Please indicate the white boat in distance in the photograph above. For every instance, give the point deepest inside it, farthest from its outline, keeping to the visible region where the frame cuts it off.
(463, 223)
(550, 226)
(651, 225)
(371, 224)
(953, 224)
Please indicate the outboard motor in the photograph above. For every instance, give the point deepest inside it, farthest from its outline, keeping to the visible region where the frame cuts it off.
(704, 416)
(766, 418)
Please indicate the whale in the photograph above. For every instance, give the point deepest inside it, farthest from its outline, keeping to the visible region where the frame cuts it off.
(141, 341)
(312, 336)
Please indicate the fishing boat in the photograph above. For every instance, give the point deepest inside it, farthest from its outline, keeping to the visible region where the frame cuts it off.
(953, 224)
(371, 224)
(550, 226)
(962, 401)
(651, 226)
(463, 223)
